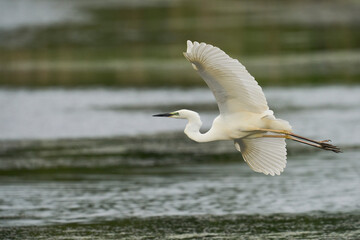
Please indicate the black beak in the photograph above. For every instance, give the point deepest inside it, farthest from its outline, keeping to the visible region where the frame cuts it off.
(163, 115)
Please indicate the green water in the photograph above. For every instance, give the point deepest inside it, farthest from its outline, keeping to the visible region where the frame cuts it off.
(141, 44)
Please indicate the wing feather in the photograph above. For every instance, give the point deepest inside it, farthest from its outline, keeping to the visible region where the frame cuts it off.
(266, 155)
(234, 88)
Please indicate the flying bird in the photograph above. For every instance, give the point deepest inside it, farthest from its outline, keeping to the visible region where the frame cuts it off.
(244, 117)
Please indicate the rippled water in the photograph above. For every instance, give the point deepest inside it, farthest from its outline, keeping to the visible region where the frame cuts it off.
(107, 193)
(97, 156)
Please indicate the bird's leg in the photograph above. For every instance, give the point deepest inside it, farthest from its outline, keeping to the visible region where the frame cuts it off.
(291, 134)
(292, 138)
(323, 144)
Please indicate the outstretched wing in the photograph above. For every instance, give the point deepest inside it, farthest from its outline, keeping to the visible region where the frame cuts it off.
(234, 88)
(266, 155)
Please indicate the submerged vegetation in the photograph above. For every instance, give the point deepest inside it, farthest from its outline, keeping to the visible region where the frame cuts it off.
(316, 225)
(282, 43)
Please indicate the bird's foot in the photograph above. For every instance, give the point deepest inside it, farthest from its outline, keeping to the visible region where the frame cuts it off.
(325, 141)
(326, 146)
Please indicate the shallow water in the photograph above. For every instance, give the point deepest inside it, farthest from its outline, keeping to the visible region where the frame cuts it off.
(316, 225)
(97, 158)
(64, 194)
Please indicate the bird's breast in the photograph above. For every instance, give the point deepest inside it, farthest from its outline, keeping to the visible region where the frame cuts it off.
(241, 125)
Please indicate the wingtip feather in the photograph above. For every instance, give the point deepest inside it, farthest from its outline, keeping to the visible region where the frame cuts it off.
(225, 74)
(190, 45)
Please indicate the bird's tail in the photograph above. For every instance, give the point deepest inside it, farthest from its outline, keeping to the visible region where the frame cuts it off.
(277, 123)
(281, 124)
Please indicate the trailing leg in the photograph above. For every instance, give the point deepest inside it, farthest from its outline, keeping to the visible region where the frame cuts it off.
(319, 144)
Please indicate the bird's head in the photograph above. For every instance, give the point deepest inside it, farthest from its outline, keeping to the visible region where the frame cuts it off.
(181, 114)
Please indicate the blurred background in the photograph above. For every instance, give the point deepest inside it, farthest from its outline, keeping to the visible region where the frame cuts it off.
(140, 43)
(80, 79)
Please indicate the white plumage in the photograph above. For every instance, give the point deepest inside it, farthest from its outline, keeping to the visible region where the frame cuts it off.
(237, 92)
(233, 87)
(266, 155)
(244, 113)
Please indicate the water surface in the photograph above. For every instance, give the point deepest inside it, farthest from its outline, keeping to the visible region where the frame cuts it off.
(92, 163)
(59, 113)
(96, 155)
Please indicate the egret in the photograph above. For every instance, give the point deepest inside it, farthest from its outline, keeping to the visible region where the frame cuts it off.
(244, 116)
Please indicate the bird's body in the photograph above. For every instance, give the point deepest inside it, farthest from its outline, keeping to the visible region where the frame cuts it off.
(231, 127)
(244, 116)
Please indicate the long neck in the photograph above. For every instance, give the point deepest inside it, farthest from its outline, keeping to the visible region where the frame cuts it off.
(192, 130)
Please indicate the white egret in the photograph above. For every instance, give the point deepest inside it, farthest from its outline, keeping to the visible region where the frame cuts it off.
(244, 116)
